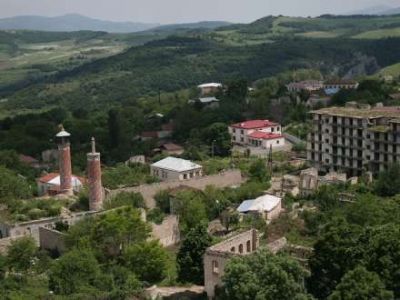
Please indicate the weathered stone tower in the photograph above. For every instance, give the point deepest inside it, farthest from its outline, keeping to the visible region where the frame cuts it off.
(64, 154)
(96, 194)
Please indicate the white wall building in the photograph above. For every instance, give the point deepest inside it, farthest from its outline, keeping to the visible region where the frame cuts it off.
(257, 133)
(268, 206)
(49, 184)
(209, 88)
(172, 168)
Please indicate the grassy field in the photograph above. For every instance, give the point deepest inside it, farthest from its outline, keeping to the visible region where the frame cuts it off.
(379, 34)
(24, 60)
(393, 70)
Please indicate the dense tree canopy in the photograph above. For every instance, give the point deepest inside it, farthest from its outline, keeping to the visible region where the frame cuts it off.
(360, 284)
(190, 256)
(263, 276)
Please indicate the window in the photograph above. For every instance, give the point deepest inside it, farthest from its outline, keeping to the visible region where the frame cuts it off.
(215, 267)
(278, 128)
(272, 129)
(277, 141)
(233, 249)
(184, 176)
(241, 248)
(234, 130)
(242, 131)
(248, 246)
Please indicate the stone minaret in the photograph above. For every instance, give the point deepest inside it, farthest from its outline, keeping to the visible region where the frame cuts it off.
(94, 177)
(64, 157)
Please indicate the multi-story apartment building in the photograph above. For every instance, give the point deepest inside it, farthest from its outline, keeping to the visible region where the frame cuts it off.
(354, 139)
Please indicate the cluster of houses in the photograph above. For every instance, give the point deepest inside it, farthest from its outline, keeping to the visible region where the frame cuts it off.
(262, 134)
(330, 87)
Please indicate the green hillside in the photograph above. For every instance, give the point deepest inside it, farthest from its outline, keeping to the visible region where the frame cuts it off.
(327, 26)
(97, 69)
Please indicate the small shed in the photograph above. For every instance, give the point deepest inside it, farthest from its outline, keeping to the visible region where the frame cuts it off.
(268, 206)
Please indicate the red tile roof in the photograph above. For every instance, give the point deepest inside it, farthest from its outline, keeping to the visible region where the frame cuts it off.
(27, 159)
(264, 135)
(254, 124)
(46, 178)
(149, 134)
(167, 127)
(172, 147)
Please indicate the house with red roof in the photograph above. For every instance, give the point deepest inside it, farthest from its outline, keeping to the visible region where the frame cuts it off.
(49, 184)
(257, 133)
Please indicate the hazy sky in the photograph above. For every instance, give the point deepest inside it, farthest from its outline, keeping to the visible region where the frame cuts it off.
(178, 11)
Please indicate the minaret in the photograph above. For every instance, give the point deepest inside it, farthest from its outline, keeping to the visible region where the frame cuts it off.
(94, 177)
(64, 158)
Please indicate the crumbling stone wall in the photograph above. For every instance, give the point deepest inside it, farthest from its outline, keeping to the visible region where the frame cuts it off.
(167, 232)
(217, 256)
(50, 239)
(148, 191)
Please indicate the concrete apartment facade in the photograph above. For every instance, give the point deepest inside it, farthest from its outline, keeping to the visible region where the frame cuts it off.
(354, 139)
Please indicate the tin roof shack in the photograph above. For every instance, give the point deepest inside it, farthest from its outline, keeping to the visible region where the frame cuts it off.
(268, 206)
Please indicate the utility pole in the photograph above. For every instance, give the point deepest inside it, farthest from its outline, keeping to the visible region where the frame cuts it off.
(270, 160)
(159, 96)
(212, 148)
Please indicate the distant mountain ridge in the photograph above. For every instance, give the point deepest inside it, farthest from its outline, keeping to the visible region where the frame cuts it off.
(203, 25)
(71, 22)
(382, 10)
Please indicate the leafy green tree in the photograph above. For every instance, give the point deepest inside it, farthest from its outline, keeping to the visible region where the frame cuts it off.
(258, 171)
(135, 200)
(3, 266)
(109, 233)
(190, 208)
(263, 275)
(12, 186)
(217, 136)
(163, 201)
(118, 229)
(337, 251)
(388, 182)
(190, 256)
(148, 260)
(360, 284)
(21, 253)
(75, 271)
(382, 254)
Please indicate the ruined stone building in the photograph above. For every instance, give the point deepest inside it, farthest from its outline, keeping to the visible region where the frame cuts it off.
(217, 256)
(354, 139)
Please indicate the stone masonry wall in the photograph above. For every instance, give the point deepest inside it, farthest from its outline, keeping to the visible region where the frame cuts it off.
(50, 239)
(167, 232)
(148, 191)
(217, 256)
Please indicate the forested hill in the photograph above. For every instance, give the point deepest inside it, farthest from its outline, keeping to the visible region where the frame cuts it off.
(334, 45)
(180, 62)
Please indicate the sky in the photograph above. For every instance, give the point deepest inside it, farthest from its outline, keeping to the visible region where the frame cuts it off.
(181, 11)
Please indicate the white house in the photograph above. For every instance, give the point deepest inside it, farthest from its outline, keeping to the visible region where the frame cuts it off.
(172, 168)
(49, 184)
(257, 133)
(209, 88)
(307, 85)
(209, 102)
(268, 206)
